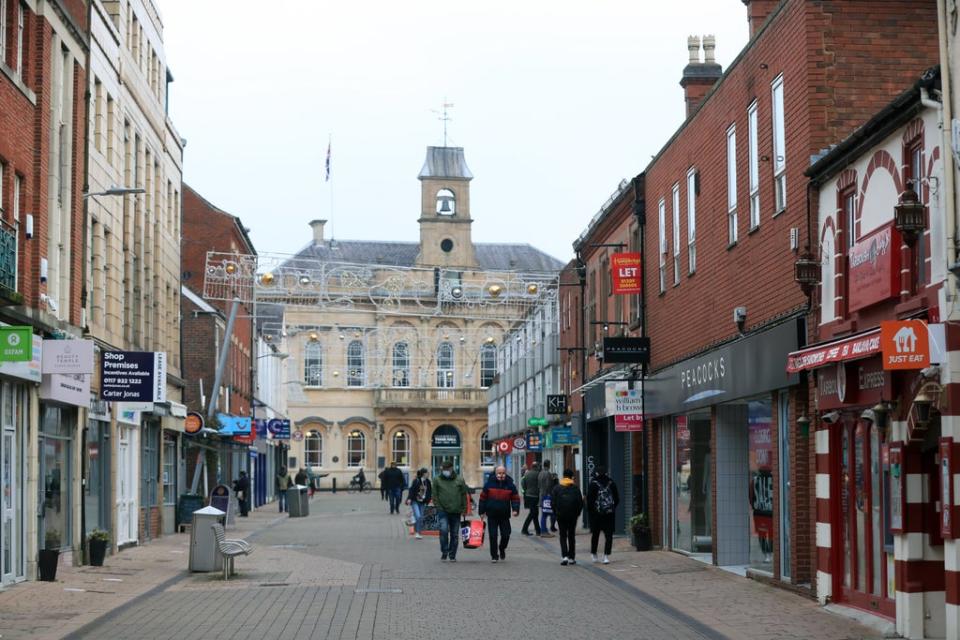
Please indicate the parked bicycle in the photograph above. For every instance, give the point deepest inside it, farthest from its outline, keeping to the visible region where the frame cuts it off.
(356, 486)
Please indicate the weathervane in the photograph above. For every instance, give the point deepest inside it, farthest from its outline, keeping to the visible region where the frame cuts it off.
(444, 117)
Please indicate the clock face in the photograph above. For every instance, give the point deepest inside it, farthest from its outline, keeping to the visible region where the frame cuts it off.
(446, 203)
(446, 245)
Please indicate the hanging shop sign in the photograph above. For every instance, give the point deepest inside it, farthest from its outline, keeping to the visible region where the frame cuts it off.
(504, 447)
(29, 371)
(561, 436)
(133, 376)
(537, 421)
(278, 429)
(71, 389)
(520, 443)
(626, 350)
(16, 344)
(534, 441)
(874, 268)
(625, 405)
(905, 344)
(626, 273)
(193, 423)
(556, 405)
(67, 356)
(233, 425)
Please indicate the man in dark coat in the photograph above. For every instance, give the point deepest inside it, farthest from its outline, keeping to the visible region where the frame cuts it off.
(498, 499)
(393, 481)
(241, 487)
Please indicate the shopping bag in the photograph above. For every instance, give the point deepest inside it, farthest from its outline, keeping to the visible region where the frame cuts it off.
(547, 505)
(412, 519)
(471, 533)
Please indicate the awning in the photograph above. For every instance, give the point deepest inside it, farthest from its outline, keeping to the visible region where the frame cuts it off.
(855, 347)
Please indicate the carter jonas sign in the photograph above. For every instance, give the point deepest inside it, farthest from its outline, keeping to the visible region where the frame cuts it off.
(133, 376)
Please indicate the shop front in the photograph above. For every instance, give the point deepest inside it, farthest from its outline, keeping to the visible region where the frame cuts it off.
(13, 435)
(607, 448)
(720, 434)
(96, 485)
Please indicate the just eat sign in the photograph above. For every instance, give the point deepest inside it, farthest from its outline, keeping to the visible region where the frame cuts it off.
(626, 272)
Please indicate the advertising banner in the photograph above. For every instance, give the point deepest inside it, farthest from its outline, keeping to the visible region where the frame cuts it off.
(133, 376)
(67, 356)
(626, 273)
(625, 405)
(874, 268)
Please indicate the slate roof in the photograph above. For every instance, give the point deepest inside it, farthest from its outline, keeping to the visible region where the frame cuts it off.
(490, 256)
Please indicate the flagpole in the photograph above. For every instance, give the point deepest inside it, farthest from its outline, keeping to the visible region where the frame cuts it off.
(329, 145)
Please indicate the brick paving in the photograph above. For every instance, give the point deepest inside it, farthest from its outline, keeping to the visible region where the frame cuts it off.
(350, 570)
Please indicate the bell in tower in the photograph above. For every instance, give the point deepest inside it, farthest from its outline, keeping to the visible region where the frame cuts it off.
(445, 239)
(446, 202)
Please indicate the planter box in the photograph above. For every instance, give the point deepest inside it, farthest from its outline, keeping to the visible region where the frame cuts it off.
(98, 551)
(47, 564)
(643, 539)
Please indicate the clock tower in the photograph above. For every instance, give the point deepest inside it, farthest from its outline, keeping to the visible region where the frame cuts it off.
(445, 221)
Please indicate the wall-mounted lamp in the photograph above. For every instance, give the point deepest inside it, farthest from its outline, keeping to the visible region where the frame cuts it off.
(910, 215)
(803, 426)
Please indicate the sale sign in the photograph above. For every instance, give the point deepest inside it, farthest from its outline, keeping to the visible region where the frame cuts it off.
(626, 272)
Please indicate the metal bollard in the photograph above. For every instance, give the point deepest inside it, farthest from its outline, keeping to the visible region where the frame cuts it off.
(334, 489)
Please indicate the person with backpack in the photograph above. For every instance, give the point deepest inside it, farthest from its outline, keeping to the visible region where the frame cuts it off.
(498, 499)
(567, 505)
(546, 480)
(531, 498)
(418, 497)
(602, 501)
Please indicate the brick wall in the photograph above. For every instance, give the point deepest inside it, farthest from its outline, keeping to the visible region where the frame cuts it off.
(198, 335)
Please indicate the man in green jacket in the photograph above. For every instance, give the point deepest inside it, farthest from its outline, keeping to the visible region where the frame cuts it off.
(531, 498)
(450, 499)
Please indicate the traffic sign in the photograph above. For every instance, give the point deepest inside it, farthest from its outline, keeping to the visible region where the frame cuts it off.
(556, 405)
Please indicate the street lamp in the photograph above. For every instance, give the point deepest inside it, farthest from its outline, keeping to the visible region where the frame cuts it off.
(115, 191)
(275, 354)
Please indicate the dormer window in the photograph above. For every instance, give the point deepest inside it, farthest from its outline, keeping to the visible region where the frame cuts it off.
(446, 203)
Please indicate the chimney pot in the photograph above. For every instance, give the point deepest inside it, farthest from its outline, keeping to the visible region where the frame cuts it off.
(317, 226)
(693, 46)
(709, 46)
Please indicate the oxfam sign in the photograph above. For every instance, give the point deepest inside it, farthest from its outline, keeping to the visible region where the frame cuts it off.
(16, 344)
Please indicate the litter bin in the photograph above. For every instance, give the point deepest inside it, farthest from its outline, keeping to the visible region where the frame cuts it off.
(204, 555)
(298, 501)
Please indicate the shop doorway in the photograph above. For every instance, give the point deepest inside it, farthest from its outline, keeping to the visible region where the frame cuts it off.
(56, 445)
(692, 506)
(867, 552)
(127, 510)
(445, 447)
(12, 428)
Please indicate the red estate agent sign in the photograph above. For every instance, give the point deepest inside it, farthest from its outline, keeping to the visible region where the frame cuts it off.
(626, 272)
(905, 344)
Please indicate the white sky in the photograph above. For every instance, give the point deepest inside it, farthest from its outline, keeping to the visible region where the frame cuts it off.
(555, 103)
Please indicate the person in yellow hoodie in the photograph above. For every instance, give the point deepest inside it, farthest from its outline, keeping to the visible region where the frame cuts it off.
(567, 504)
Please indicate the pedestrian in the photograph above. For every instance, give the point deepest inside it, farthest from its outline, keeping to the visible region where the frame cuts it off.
(450, 499)
(241, 487)
(602, 501)
(567, 505)
(498, 499)
(283, 483)
(301, 477)
(546, 480)
(393, 481)
(531, 498)
(310, 481)
(419, 496)
(383, 487)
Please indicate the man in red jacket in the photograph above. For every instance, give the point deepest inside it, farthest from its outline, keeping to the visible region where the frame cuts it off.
(497, 500)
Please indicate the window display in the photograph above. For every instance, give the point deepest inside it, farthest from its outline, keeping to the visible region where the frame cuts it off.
(761, 484)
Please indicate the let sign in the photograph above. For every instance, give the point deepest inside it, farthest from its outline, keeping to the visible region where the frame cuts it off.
(905, 344)
(626, 273)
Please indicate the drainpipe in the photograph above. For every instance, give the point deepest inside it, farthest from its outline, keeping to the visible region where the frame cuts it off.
(946, 123)
(85, 271)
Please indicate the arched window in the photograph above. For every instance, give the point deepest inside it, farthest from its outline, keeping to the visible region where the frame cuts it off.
(313, 364)
(355, 373)
(446, 202)
(488, 365)
(487, 457)
(445, 362)
(401, 448)
(356, 449)
(313, 449)
(401, 365)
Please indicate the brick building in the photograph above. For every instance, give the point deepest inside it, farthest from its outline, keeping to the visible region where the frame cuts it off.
(43, 52)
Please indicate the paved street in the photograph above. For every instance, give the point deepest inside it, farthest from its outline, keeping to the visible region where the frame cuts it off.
(350, 570)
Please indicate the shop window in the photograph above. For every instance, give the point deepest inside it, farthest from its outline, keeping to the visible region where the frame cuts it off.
(401, 448)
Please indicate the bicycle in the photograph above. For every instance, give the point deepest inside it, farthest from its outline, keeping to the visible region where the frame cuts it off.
(354, 486)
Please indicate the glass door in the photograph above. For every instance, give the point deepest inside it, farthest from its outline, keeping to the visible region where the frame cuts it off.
(8, 468)
(126, 485)
(784, 418)
(863, 581)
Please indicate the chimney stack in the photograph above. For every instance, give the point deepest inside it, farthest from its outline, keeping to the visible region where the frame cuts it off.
(317, 226)
(699, 77)
(757, 13)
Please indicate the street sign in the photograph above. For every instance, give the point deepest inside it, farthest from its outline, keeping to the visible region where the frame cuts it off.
(16, 344)
(537, 422)
(556, 405)
(626, 350)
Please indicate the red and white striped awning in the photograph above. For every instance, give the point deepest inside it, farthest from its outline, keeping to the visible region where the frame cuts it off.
(855, 347)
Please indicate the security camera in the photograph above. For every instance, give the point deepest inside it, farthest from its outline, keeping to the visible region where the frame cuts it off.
(831, 417)
(740, 318)
(930, 372)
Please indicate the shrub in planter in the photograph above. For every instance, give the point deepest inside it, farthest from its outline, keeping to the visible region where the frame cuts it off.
(642, 536)
(49, 556)
(98, 541)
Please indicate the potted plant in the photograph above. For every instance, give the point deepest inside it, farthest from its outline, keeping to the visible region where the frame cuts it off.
(98, 541)
(49, 556)
(642, 536)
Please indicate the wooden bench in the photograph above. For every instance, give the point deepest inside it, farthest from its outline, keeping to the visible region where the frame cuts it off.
(229, 549)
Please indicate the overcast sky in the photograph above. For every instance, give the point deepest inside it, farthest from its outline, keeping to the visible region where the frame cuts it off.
(555, 103)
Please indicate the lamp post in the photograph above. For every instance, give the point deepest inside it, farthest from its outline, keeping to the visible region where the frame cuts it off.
(254, 385)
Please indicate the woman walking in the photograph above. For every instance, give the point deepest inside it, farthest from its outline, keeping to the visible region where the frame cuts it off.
(602, 501)
(418, 497)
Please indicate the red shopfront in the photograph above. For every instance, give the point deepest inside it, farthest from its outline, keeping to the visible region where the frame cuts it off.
(852, 398)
